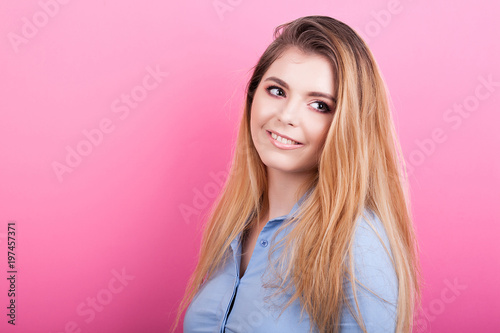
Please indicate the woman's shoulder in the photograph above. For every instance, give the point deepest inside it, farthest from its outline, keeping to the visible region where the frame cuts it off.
(374, 273)
(370, 233)
(371, 247)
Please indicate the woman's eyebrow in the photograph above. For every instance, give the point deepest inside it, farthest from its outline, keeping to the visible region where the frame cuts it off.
(312, 93)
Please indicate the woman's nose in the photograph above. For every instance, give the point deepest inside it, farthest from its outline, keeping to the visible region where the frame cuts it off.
(289, 113)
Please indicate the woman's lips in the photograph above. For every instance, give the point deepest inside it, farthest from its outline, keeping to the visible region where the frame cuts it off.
(282, 145)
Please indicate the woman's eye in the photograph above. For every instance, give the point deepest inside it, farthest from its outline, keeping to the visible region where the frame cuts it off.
(323, 107)
(276, 91)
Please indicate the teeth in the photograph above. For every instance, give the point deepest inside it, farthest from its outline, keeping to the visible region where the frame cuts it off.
(283, 140)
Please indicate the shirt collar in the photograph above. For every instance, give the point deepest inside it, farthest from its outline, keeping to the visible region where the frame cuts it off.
(279, 218)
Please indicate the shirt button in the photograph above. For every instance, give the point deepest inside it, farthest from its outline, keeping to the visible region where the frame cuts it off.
(263, 243)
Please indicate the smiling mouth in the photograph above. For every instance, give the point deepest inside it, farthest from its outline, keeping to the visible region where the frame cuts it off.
(283, 140)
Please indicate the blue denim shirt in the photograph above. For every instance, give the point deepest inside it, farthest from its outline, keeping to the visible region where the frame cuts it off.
(211, 311)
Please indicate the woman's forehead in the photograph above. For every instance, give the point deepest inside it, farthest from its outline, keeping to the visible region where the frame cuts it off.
(303, 71)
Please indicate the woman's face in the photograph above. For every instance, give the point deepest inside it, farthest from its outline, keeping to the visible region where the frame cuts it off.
(293, 101)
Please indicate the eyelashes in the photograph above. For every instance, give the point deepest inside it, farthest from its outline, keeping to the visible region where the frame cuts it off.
(272, 88)
(325, 107)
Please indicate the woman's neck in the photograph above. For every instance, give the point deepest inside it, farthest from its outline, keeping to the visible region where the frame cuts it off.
(283, 188)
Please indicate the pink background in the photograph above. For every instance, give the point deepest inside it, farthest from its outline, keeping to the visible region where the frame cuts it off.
(119, 210)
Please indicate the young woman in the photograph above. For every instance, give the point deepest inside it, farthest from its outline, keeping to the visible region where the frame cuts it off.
(312, 231)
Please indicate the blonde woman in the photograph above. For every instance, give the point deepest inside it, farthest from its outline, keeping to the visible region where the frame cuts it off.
(312, 231)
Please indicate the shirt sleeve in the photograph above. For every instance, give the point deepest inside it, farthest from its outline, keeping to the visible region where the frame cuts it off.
(373, 269)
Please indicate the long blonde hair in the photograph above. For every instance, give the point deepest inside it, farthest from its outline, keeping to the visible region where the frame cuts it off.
(360, 166)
